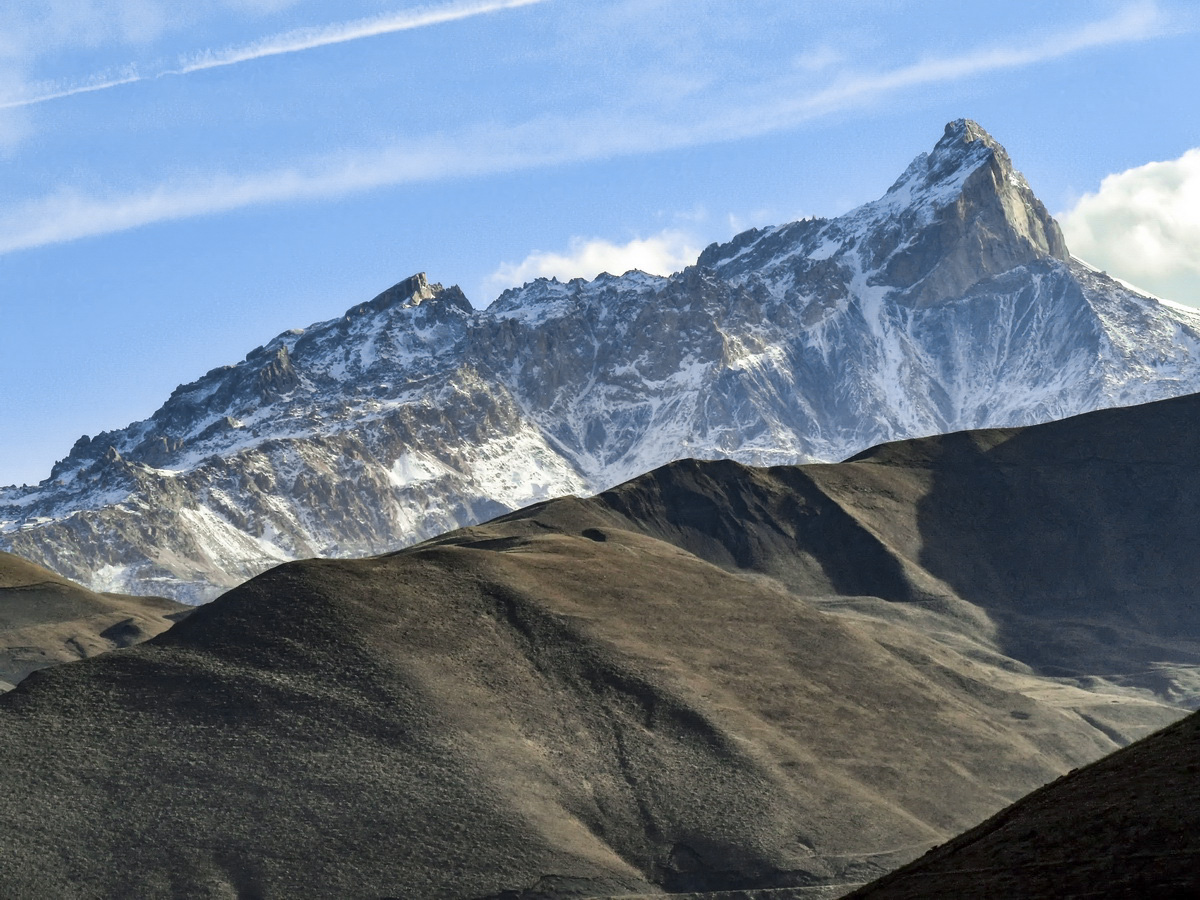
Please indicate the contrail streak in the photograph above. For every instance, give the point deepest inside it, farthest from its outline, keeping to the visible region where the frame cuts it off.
(101, 84)
(294, 41)
(311, 38)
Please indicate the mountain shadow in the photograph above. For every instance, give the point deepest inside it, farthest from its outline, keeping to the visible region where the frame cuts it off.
(1077, 538)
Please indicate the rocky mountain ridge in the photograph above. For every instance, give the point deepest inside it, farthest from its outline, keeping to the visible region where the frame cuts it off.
(949, 303)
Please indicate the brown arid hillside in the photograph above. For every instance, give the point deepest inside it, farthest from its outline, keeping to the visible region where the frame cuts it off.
(46, 619)
(711, 678)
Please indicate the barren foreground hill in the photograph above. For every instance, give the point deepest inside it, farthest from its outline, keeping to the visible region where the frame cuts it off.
(711, 677)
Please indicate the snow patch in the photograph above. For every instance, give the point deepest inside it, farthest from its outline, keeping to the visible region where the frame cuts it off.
(415, 467)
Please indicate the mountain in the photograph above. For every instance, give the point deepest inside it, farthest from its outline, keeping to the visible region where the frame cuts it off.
(1126, 826)
(713, 677)
(46, 619)
(950, 303)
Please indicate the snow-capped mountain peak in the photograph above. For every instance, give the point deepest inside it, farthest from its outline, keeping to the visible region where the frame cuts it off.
(950, 302)
(937, 177)
(958, 215)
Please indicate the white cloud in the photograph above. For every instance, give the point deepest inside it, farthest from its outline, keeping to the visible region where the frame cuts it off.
(604, 133)
(660, 254)
(14, 129)
(43, 92)
(33, 29)
(293, 41)
(1143, 225)
(45, 26)
(69, 215)
(40, 26)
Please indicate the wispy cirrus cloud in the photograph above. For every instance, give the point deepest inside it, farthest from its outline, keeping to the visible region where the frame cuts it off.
(67, 214)
(1135, 22)
(604, 133)
(294, 41)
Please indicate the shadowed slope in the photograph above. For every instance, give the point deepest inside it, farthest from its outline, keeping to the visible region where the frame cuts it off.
(581, 710)
(1127, 826)
(1077, 537)
(1067, 546)
(46, 619)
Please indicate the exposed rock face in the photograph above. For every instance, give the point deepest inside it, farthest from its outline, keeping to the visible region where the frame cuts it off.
(949, 303)
(994, 225)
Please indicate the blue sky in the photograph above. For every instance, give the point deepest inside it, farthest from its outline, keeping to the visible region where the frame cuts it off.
(181, 182)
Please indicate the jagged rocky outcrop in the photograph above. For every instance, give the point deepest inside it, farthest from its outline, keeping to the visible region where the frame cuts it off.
(951, 302)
